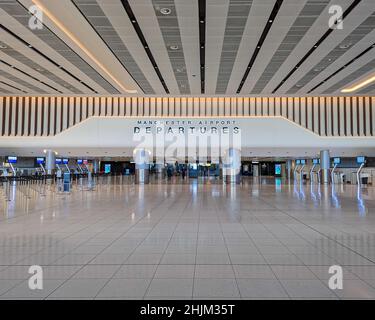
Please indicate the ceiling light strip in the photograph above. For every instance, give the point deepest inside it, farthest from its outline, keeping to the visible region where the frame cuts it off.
(342, 68)
(316, 45)
(202, 41)
(263, 37)
(142, 39)
(105, 42)
(359, 85)
(44, 56)
(81, 46)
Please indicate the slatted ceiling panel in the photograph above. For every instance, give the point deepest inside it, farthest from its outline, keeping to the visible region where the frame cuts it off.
(18, 117)
(12, 120)
(164, 106)
(341, 111)
(44, 117)
(115, 107)
(366, 116)
(317, 108)
(95, 106)
(245, 106)
(323, 115)
(354, 116)
(372, 112)
(361, 110)
(290, 108)
(302, 108)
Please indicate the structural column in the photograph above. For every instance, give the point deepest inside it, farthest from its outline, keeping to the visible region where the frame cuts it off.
(289, 168)
(232, 166)
(95, 165)
(50, 161)
(142, 166)
(325, 164)
(160, 170)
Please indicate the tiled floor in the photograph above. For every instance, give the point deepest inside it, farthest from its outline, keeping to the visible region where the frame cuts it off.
(262, 239)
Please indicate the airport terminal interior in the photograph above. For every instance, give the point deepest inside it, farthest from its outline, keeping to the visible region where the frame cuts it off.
(187, 149)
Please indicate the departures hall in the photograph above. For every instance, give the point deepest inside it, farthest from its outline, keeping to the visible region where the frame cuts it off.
(187, 149)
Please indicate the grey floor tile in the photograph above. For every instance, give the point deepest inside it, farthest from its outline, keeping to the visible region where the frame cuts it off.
(215, 288)
(207, 271)
(79, 288)
(307, 289)
(261, 288)
(124, 288)
(170, 288)
(253, 272)
(176, 271)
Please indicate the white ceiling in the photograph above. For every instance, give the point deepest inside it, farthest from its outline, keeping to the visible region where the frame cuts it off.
(92, 47)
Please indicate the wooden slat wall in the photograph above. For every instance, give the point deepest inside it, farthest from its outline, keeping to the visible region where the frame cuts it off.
(325, 116)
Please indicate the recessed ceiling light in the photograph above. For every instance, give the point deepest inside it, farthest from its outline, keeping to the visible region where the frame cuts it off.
(298, 85)
(3, 46)
(165, 11)
(345, 45)
(174, 47)
(318, 69)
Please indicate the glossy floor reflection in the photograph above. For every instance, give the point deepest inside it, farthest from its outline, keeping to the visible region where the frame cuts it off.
(197, 239)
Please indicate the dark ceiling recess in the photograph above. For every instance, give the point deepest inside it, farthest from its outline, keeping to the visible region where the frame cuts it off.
(202, 40)
(14, 87)
(342, 68)
(45, 57)
(316, 45)
(141, 37)
(266, 29)
(30, 76)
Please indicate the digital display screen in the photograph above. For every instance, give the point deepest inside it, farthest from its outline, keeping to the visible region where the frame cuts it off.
(39, 160)
(58, 161)
(65, 161)
(316, 161)
(107, 168)
(278, 169)
(194, 166)
(298, 161)
(85, 161)
(303, 161)
(79, 161)
(12, 159)
(336, 160)
(361, 160)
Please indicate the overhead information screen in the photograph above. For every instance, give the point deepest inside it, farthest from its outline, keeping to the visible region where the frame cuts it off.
(336, 160)
(79, 161)
(40, 160)
(316, 161)
(361, 160)
(58, 161)
(65, 161)
(12, 159)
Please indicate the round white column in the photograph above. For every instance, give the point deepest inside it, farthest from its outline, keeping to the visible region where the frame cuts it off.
(142, 166)
(232, 166)
(50, 161)
(325, 164)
